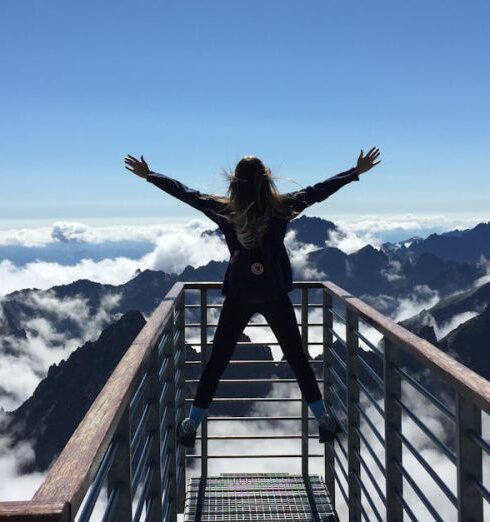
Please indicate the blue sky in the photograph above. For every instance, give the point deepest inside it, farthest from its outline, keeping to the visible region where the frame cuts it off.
(196, 85)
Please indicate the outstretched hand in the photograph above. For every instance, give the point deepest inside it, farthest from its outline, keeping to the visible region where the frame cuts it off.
(138, 167)
(364, 163)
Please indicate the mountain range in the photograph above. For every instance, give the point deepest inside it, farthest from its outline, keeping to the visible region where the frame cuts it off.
(443, 265)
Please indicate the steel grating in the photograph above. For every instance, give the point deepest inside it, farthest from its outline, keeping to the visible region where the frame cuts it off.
(240, 497)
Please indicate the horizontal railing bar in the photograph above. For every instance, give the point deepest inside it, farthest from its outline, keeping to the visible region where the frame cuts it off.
(149, 507)
(428, 468)
(443, 447)
(368, 498)
(166, 510)
(258, 361)
(339, 400)
(143, 497)
(163, 393)
(135, 439)
(374, 348)
(337, 378)
(166, 337)
(220, 305)
(254, 456)
(418, 492)
(371, 476)
(218, 285)
(341, 467)
(370, 424)
(337, 478)
(284, 417)
(252, 399)
(371, 450)
(164, 366)
(137, 394)
(337, 314)
(339, 360)
(481, 489)
(111, 504)
(257, 343)
(337, 335)
(426, 393)
(99, 479)
(141, 463)
(361, 507)
(479, 441)
(406, 507)
(246, 381)
(248, 325)
(165, 461)
(246, 437)
(466, 381)
(341, 446)
(376, 378)
(368, 394)
(164, 440)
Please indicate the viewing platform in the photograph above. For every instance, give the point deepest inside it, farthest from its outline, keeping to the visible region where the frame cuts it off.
(123, 464)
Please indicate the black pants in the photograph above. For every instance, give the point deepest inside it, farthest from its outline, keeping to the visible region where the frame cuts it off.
(280, 316)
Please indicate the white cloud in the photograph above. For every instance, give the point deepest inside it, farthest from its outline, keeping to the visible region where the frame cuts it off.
(15, 485)
(394, 271)
(407, 224)
(44, 275)
(70, 231)
(174, 249)
(422, 297)
(21, 371)
(483, 263)
(448, 326)
(349, 241)
(298, 255)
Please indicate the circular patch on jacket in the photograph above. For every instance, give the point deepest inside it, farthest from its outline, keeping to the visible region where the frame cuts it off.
(257, 268)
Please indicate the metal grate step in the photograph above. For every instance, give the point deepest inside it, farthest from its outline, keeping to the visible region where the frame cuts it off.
(240, 497)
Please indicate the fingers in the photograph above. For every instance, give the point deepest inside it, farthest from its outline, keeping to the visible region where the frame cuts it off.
(131, 157)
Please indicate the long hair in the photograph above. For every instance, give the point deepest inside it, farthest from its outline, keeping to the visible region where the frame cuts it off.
(252, 199)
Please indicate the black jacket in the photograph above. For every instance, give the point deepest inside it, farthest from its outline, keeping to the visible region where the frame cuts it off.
(261, 272)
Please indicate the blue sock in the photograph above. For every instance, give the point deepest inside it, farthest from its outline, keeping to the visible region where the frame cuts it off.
(197, 414)
(318, 408)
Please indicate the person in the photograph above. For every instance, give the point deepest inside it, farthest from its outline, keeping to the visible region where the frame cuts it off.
(253, 217)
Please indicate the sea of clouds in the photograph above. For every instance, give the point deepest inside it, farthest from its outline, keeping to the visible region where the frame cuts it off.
(171, 248)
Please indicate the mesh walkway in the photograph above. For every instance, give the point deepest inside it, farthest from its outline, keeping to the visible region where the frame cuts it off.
(239, 497)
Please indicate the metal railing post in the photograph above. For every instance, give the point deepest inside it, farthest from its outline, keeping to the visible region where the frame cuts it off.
(353, 421)
(304, 405)
(327, 321)
(152, 396)
(393, 425)
(204, 360)
(180, 405)
(167, 419)
(469, 460)
(119, 475)
(172, 426)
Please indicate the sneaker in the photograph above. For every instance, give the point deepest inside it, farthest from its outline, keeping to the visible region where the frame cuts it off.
(327, 428)
(186, 432)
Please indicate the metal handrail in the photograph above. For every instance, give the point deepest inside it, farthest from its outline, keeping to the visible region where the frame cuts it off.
(145, 397)
(471, 396)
